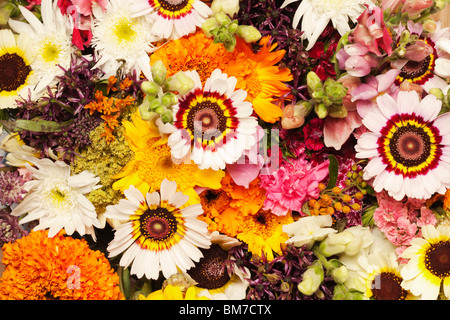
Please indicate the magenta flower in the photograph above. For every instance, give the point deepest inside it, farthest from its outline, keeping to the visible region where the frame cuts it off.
(313, 132)
(292, 184)
(12, 187)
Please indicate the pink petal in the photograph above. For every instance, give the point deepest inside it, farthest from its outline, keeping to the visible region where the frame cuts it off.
(364, 92)
(386, 80)
(357, 66)
(244, 173)
(336, 131)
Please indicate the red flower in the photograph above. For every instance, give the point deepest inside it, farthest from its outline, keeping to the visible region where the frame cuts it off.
(313, 132)
(324, 68)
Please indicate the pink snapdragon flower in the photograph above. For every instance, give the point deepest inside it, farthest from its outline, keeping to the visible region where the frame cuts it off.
(415, 7)
(356, 59)
(295, 182)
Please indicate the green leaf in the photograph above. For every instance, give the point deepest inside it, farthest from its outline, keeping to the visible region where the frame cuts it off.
(305, 208)
(40, 125)
(333, 170)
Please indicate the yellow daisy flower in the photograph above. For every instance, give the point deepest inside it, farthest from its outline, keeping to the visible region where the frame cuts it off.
(153, 163)
(172, 292)
(429, 263)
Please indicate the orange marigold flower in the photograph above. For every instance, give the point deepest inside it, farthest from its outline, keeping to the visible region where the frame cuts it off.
(224, 209)
(193, 52)
(43, 268)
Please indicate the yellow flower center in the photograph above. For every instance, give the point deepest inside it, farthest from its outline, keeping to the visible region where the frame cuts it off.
(123, 30)
(50, 52)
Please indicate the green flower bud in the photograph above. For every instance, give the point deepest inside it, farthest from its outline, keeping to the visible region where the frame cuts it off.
(340, 274)
(230, 44)
(161, 109)
(150, 88)
(313, 82)
(179, 82)
(334, 90)
(222, 18)
(144, 110)
(336, 243)
(169, 99)
(233, 26)
(229, 7)
(437, 92)
(209, 25)
(321, 110)
(159, 72)
(312, 278)
(405, 36)
(167, 116)
(154, 104)
(337, 111)
(248, 33)
(302, 109)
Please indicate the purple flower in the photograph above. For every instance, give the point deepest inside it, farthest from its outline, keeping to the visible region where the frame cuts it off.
(11, 185)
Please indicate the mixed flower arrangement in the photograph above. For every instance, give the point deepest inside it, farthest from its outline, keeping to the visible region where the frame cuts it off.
(252, 149)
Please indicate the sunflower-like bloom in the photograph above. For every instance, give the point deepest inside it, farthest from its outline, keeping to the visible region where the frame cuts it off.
(43, 268)
(153, 163)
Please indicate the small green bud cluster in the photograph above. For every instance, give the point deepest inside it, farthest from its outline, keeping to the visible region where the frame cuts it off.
(224, 30)
(327, 96)
(160, 96)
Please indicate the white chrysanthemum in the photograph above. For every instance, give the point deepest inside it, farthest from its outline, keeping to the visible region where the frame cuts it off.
(428, 268)
(51, 41)
(57, 199)
(172, 18)
(159, 232)
(316, 14)
(120, 40)
(214, 124)
(16, 57)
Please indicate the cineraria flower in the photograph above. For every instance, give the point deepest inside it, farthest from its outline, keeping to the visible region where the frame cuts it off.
(120, 40)
(428, 269)
(159, 232)
(172, 18)
(16, 58)
(43, 268)
(51, 41)
(57, 200)
(12, 187)
(214, 123)
(407, 144)
(292, 184)
(316, 14)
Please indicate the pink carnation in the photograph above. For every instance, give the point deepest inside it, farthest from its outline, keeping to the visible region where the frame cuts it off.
(292, 184)
(401, 221)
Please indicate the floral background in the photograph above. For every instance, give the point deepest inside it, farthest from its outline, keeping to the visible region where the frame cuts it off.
(187, 149)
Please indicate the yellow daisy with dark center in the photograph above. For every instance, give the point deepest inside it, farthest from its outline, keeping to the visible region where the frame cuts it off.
(408, 146)
(160, 232)
(427, 273)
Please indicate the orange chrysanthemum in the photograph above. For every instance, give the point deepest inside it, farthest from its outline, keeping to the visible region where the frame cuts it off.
(258, 74)
(64, 268)
(225, 209)
(193, 52)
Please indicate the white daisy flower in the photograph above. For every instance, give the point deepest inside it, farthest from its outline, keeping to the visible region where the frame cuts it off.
(16, 57)
(172, 18)
(159, 232)
(408, 145)
(51, 42)
(429, 263)
(214, 124)
(56, 198)
(121, 40)
(316, 14)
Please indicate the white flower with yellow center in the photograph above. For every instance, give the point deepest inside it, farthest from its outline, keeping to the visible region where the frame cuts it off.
(428, 268)
(121, 41)
(16, 57)
(57, 199)
(52, 43)
(316, 14)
